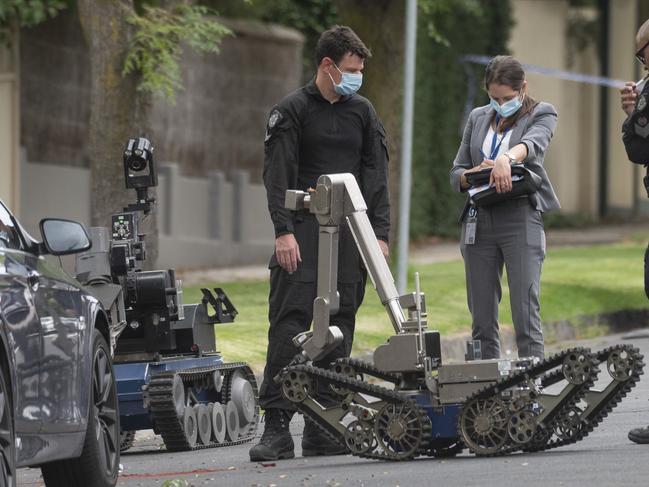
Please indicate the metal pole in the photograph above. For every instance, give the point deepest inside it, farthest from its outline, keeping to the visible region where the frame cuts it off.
(406, 145)
(604, 12)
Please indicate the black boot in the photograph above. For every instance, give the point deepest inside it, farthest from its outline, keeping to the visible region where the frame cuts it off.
(639, 435)
(316, 442)
(276, 443)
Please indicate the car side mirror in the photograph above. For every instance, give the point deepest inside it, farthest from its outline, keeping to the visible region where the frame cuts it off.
(63, 237)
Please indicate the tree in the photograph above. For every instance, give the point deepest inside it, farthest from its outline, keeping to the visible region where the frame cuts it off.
(133, 57)
(117, 110)
(25, 13)
(134, 50)
(381, 26)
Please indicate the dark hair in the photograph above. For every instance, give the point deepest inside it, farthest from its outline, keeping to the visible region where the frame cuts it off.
(336, 42)
(506, 70)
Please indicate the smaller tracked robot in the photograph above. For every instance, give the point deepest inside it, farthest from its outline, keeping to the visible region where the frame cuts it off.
(491, 407)
(170, 378)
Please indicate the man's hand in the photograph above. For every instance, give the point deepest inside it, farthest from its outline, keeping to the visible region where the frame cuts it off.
(287, 252)
(501, 175)
(385, 249)
(628, 96)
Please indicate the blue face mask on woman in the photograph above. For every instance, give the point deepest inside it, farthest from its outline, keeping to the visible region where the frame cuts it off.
(508, 108)
(349, 84)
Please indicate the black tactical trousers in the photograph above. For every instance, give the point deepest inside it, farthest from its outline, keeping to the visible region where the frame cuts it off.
(290, 313)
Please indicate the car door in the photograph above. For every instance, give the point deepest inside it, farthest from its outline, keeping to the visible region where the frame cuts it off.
(22, 330)
(59, 307)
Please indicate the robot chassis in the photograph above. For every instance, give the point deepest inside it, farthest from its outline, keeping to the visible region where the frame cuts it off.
(491, 407)
(170, 378)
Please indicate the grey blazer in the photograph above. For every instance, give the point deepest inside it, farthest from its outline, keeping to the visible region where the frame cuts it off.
(534, 129)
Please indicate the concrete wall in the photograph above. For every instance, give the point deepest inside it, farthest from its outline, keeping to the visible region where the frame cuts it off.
(204, 222)
(540, 37)
(9, 115)
(217, 122)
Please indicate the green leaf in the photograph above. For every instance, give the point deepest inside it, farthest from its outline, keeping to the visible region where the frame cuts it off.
(156, 47)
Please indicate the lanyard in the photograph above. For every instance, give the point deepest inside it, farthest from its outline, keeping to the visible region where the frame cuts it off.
(495, 147)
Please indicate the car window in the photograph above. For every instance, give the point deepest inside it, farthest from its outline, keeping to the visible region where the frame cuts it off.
(8, 233)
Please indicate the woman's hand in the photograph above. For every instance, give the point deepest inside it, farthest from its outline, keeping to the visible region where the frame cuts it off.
(501, 175)
(486, 163)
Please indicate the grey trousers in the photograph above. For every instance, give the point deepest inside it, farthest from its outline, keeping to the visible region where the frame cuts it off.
(509, 233)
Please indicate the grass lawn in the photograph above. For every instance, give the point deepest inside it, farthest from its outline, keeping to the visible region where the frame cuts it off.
(576, 281)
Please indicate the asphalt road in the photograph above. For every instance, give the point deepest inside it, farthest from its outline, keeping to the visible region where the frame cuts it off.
(605, 458)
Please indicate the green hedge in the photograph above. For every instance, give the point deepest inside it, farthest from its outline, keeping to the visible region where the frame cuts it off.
(466, 27)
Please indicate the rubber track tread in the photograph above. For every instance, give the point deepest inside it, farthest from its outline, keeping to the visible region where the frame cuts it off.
(161, 405)
(606, 406)
(533, 372)
(357, 386)
(369, 369)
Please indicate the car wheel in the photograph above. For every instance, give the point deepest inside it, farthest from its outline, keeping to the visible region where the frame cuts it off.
(99, 461)
(7, 441)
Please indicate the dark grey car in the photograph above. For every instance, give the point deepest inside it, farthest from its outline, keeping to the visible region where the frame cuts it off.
(58, 403)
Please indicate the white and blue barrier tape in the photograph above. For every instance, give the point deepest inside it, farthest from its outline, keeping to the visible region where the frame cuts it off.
(554, 73)
(469, 59)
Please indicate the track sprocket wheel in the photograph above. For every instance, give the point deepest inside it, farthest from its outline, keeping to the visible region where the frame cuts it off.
(346, 370)
(243, 396)
(483, 425)
(577, 368)
(522, 426)
(399, 430)
(359, 437)
(297, 386)
(620, 365)
(569, 424)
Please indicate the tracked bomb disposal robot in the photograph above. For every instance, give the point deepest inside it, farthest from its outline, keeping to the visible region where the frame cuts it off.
(170, 378)
(491, 407)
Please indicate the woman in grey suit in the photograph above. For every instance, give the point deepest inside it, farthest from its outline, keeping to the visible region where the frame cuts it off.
(512, 129)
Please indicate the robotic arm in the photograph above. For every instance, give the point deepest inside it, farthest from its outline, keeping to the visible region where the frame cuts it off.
(338, 200)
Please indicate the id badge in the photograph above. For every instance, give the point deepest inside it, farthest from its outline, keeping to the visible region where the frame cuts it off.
(471, 226)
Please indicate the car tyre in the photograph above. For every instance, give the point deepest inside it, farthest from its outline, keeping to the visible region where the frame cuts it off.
(98, 464)
(7, 434)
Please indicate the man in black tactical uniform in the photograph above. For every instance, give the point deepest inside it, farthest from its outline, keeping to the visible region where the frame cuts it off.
(635, 134)
(322, 128)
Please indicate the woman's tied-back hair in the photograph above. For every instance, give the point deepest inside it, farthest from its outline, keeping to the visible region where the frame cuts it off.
(336, 42)
(506, 70)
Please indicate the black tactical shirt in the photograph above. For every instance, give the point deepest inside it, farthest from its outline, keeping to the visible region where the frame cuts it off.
(307, 136)
(635, 130)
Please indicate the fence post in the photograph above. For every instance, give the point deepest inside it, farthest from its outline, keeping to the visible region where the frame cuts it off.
(240, 182)
(216, 196)
(168, 220)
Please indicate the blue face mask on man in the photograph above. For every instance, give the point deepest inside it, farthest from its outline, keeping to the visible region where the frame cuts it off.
(508, 108)
(349, 84)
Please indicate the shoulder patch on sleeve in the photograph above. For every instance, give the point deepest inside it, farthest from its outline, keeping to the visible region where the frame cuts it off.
(275, 116)
(273, 119)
